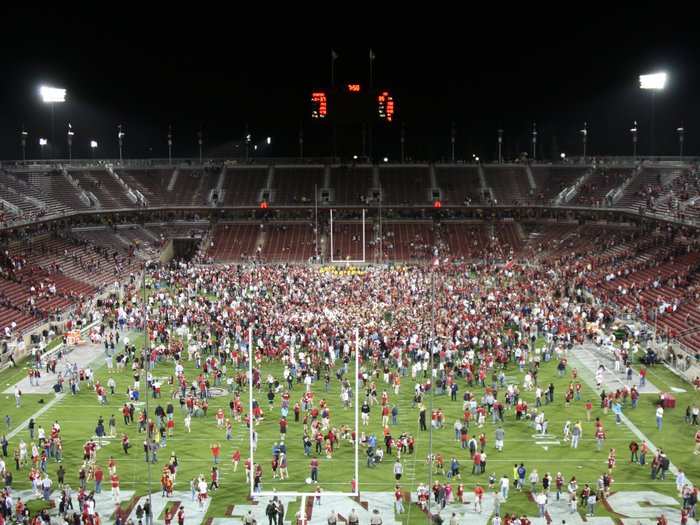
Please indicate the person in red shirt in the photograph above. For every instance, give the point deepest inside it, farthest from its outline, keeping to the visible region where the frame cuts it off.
(314, 470)
(115, 487)
(283, 427)
(99, 475)
(214, 479)
(398, 497)
(478, 497)
(215, 452)
(235, 458)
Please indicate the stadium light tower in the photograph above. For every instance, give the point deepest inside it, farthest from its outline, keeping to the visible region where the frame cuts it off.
(634, 130)
(653, 82)
(42, 144)
(500, 146)
(70, 142)
(120, 137)
(681, 133)
(584, 138)
(93, 147)
(23, 136)
(534, 140)
(170, 144)
(52, 96)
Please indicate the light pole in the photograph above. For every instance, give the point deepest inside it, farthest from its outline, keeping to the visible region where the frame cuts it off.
(23, 137)
(170, 145)
(403, 142)
(70, 143)
(199, 141)
(584, 138)
(534, 140)
(42, 144)
(681, 133)
(634, 130)
(93, 147)
(52, 96)
(120, 138)
(653, 82)
(500, 146)
(452, 142)
(301, 142)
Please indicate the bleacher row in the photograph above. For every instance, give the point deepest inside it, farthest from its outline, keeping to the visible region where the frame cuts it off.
(673, 190)
(650, 275)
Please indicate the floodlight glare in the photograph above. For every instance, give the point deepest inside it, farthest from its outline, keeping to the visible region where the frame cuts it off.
(52, 95)
(476, 159)
(655, 81)
(386, 159)
(43, 142)
(354, 157)
(563, 156)
(269, 140)
(93, 144)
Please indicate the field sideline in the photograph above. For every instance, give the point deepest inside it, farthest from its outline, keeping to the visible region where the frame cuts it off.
(78, 416)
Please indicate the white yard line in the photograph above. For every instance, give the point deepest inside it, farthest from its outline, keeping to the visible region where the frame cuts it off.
(35, 415)
(586, 376)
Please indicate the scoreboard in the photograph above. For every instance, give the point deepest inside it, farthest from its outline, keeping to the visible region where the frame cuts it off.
(353, 103)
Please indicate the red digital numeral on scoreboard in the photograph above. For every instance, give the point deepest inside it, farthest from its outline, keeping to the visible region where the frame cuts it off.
(319, 104)
(354, 88)
(385, 103)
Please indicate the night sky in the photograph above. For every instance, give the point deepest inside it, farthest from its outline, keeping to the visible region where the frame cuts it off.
(221, 72)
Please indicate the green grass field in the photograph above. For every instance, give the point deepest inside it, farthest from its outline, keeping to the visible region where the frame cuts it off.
(78, 416)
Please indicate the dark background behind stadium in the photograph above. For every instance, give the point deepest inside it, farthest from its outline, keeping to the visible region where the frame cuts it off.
(505, 69)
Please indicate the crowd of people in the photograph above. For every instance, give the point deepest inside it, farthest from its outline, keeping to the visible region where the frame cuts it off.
(429, 330)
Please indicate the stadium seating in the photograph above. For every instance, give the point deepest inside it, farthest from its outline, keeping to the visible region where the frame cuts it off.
(105, 188)
(404, 185)
(351, 184)
(288, 243)
(458, 184)
(234, 242)
(242, 185)
(405, 241)
(295, 184)
(509, 184)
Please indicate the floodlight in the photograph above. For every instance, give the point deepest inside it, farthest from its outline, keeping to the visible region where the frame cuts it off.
(43, 142)
(476, 159)
(269, 140)
(386, 159)
(51, 95)
(255, 147)
(354, 157)
(93, 144)
(563, 156)
(680, 130)
(24, 133)
(656, 81)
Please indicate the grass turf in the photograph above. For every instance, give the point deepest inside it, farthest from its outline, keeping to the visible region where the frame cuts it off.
(78, 416)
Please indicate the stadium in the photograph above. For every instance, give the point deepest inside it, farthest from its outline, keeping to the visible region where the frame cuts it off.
(345, 329)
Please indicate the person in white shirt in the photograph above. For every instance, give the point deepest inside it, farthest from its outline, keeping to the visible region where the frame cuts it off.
(659, 417)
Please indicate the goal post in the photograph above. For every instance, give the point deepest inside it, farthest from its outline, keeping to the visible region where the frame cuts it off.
(364, 244)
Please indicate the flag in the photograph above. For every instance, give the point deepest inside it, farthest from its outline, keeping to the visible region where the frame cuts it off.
(334, 55)
(372, 56)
